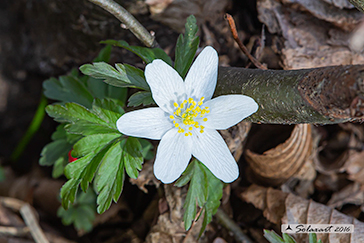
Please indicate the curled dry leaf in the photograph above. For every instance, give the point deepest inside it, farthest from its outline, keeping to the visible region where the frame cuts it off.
(355, 167)
(285, 208)
(280, 163)
(315, 33)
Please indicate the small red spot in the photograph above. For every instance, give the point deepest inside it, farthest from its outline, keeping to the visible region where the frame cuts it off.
(70, 158)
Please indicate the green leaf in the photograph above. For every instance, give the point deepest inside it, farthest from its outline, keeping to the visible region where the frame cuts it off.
(110, 177)
(82, 214)
(108, 110)
(186, 48)
(147, 149)
(58, 167)
(141, 97)
(147, 54)
(197, 191)
(69, 191)
(72, 113)
(86, 128)
(101, 90)
(272, 237)
(288, 239)
(92, 143)
(123, 76)
(132, 156)
(215, 187)
(67, 89)
(54, 151)
(312, 238)
(104, 54)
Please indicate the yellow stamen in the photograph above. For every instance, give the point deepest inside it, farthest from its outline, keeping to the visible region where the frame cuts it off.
(172, 117)
(205, 119)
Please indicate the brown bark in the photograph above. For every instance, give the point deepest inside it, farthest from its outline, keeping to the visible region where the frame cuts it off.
(325, 95)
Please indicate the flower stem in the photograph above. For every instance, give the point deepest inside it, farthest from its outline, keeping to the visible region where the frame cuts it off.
(326, 95)
(229, 224)
(126, 18)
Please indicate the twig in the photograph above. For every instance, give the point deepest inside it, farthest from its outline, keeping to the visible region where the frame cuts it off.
(126, 18)
(229, 224)
(234, 32)
(30, 220)
(326, 95)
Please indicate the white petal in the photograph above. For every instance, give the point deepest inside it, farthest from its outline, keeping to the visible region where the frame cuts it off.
(165, 83)
(173, 155)
(210, 148)
(202, 76)
(150, 123)
(228, 110)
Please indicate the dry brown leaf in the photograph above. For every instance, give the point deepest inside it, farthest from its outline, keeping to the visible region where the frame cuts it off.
(286, 208)
(173, 13)
(353, 194)
(311, 39)
(280, 163)
(170, 226)
(355, 167)
(235, 138)
(146, 177)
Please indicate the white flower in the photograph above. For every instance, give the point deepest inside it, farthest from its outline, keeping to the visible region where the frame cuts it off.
(187, 118)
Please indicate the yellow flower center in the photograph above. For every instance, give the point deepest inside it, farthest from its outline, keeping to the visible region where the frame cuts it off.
(189, 115)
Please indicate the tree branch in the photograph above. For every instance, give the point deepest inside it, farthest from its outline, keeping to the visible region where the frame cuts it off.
(325, 95)
(359, 4)
(126, 18)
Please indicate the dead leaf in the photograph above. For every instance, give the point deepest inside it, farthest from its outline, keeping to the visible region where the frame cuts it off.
(173, 13)
(278, 164)
(146, 177)
(309, 29)
(296, 210)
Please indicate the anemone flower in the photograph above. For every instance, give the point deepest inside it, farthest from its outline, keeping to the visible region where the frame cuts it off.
(186, 118)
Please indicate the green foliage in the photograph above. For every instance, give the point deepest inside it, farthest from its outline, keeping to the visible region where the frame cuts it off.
(83, 89)
(2, 174)
(141, 98)
(186, 47)
(147, 54)
(123, 75)
(204, 188)
(82, 213)
(273, 237)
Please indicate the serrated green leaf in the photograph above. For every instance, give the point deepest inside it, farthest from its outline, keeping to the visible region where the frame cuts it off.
(72, 113)
(147, 54)
(197, 191)
(214, 196)
(67, 89)
(93, 143)
(147, 148)
(123, 76)
(288, 239)
(68, 192)
(141, 97)
(186, 47)
(58, 167)
(75, 169)
(272, 237)
(107, 182)
(86, 128)
(107, 110)
(132, 157)
(54, 151)
(82, 213)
